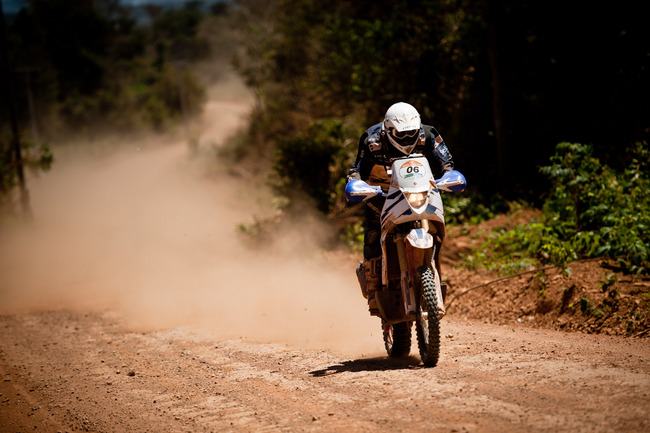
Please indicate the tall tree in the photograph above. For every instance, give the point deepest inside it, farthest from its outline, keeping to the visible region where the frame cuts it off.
(11, 160)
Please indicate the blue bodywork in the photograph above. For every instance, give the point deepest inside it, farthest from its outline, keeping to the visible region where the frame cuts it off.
(451, 181)
(358, 190)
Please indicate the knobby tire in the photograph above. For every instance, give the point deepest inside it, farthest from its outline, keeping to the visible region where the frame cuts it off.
(398, 340)
(428, 331)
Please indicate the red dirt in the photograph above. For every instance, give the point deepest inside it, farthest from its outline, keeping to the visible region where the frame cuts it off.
(594, 296)
(132, 306)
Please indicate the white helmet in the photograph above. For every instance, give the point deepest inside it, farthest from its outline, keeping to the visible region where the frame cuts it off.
(402, 126)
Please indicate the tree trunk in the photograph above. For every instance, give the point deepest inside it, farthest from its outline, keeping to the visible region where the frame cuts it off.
(7, 78)
(495, 23)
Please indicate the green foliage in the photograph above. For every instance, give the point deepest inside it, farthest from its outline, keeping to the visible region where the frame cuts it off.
(313, 162)
(470, 209)
(611, 280)
(635, 319)
(591, 211)
(508, 251)
(352, 235)
(7, 170)
(178, 28)
(95, 68)
(34, 157)
(585, 305)
(92, 68)
(352, 58)
(308, 60)
(597, 212)
(308, 64)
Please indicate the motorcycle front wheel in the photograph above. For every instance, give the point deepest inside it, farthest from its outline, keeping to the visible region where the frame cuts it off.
(428, 320)
(397, 339)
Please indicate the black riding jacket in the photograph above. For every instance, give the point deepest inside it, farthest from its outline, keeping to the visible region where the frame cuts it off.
(376, 154)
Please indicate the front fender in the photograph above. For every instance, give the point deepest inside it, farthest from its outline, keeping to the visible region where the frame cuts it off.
(420, 238)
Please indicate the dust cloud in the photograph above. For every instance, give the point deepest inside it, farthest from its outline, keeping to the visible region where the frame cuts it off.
(145, 232)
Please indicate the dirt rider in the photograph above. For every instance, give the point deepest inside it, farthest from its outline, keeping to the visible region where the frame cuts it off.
(400, 134)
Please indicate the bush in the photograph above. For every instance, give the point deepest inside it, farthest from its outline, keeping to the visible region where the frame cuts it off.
(591, 211)
(470, 209)
(596, 212)
(35, 158)
(314, 162)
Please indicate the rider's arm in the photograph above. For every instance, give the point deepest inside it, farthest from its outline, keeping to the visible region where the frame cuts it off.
(438, 151)
(363, 164)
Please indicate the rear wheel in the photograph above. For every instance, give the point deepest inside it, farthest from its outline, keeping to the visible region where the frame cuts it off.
(428, 320)
(397, 339)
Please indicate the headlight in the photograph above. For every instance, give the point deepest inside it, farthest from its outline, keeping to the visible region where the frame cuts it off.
(416, 199)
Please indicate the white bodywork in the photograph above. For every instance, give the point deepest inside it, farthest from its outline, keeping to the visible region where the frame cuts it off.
(412, 177)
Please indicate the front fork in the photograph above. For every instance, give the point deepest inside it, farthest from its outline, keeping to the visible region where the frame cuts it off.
(408, 296)
(415, 250)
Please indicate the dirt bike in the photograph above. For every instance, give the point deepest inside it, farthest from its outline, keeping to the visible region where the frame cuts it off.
(412, 232)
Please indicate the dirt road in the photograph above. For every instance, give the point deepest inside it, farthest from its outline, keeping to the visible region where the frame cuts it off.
(131, 305)
(65, 371)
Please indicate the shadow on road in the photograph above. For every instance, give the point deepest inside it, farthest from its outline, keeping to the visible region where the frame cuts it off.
(369, 364)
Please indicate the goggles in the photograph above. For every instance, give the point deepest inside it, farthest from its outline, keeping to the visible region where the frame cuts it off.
(402, 134)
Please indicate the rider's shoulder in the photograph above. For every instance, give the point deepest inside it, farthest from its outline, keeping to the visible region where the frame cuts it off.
(374, 131)
(373, 138)
(430, 130)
